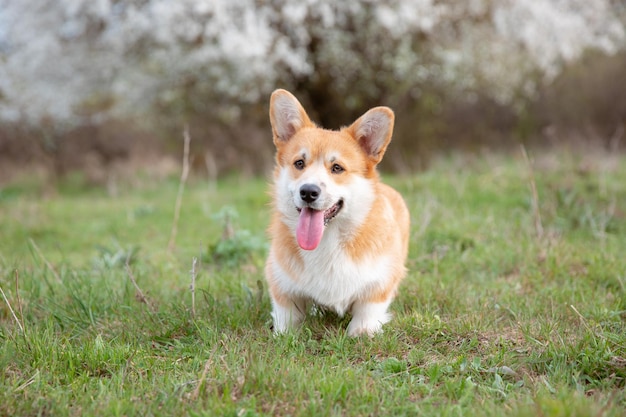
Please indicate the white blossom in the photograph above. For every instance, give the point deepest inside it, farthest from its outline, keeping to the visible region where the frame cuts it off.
(73, 61)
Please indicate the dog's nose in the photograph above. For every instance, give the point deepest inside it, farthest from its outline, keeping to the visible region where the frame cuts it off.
(309, 192)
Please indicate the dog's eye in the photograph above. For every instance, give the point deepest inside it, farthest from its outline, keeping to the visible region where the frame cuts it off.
(299, 164)
(336, 169)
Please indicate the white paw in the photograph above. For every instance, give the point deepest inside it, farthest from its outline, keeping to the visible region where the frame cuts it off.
(286, 318)
(368, 318)
(362, 328)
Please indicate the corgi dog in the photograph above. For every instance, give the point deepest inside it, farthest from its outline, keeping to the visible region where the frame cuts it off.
(339, 237)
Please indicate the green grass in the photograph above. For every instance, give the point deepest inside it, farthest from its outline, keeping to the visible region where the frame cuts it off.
(493, 318)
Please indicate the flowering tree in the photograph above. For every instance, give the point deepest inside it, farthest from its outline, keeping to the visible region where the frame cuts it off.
(79, 61)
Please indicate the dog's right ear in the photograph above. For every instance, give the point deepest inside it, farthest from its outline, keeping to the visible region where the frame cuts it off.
(287, 116)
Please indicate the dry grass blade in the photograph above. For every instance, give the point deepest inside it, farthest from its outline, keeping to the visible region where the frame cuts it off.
(584, 321)
(196, 391)
(43, 258)
(181, 189)
(28, 382)
(192, 287)
(19, 301)
(140, 295)
(6, 300)
(534, 195)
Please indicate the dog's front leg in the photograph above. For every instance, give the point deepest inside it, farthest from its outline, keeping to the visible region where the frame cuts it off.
(368, 317)
(287, 312)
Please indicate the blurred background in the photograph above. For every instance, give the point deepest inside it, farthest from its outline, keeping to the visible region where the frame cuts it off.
(106, 87)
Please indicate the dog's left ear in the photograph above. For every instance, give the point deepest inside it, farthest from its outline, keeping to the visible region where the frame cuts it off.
(373, 131)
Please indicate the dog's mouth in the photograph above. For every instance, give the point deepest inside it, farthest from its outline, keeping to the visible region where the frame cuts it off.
(311, 224)
(332, 212)
(329, 214)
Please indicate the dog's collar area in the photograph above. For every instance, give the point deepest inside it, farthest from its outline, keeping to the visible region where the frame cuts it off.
(331, 213)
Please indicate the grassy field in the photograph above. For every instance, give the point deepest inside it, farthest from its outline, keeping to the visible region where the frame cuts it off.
(515, 303)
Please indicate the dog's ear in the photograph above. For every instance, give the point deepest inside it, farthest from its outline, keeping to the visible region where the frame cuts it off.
(287, 116)
(373, 131)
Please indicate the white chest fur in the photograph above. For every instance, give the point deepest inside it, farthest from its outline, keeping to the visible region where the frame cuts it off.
(330, 277)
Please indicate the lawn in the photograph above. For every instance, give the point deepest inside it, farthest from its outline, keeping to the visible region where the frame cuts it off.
(515, 303)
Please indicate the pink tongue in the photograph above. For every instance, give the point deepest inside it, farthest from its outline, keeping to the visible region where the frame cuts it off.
(310, 228)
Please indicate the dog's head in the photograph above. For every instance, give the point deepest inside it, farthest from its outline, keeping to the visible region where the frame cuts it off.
(322, 176)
